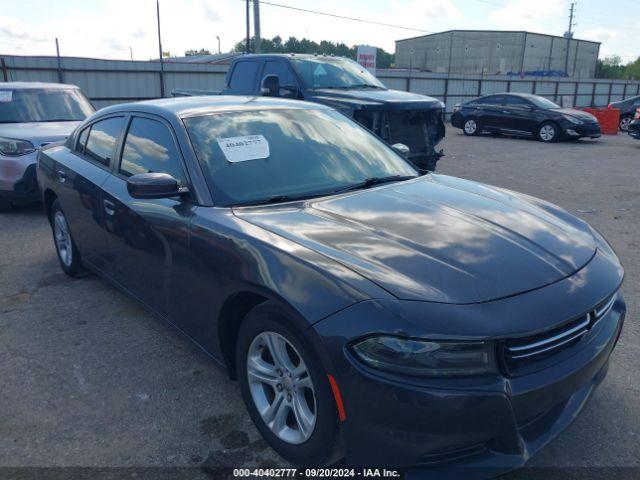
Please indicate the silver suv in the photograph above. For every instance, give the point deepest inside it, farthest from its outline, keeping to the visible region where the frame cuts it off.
(32, 115)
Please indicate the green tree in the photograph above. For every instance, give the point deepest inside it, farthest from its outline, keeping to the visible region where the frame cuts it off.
(304, 45)
(202, 51)
(612, 67)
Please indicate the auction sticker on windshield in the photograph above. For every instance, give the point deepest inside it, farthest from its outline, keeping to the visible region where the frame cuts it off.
(241, 149)
(6, 95)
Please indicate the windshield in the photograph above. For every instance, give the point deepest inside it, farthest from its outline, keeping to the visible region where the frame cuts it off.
(331, 72)
(542, 102)
(42, 105)
(256, 155)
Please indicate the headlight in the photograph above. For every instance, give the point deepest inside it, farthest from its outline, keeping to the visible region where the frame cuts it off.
(573, 120)
(12, 147)
(426, 358)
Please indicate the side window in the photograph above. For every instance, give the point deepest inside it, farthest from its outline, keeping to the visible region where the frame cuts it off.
(243, 77)
(280, 69)
(492, 100)
(515, 101)
(82, 140)
(149, 147)
(102, 139)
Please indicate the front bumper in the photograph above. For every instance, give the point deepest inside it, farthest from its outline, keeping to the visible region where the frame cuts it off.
(591, 130)
(634, 129)
(490, 424)
(18, 182)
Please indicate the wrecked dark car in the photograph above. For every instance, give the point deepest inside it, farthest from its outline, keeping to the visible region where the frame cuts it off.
(400, 118)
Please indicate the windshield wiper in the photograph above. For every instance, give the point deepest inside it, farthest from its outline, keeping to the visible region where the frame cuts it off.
(370, 182)
(272, 199)
(366, 85)
(59, 120)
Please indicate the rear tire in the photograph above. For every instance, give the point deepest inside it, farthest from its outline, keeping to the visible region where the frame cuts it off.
(471, 127)
(625, 120)
(66, 249)
(272, 391)
(548, 132)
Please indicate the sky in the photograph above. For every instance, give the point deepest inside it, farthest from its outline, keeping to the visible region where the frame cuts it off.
(118, 28)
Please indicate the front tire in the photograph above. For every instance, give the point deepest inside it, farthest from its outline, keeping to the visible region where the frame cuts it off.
(285, 388)
(471, 127)
(625, 120)
(66, 249)
(548, 132)
(5, 205)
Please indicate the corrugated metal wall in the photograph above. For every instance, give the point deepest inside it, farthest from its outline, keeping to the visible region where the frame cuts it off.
(497, 52)
(114, 81)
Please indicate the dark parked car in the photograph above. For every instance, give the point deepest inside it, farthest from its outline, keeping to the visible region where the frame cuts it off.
(627, 109)
(526, 115)
(33, 114)
(395, 116)
(634, 126)
(367, 312)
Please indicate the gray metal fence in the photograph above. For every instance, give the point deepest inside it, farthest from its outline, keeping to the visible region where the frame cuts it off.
(115, 81)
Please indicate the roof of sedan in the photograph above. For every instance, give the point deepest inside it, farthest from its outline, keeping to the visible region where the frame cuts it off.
(35, 85)
(198, 105)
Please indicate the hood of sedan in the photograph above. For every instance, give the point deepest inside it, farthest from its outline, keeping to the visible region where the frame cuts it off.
(438, 238)
(38, 132)
(579, 114)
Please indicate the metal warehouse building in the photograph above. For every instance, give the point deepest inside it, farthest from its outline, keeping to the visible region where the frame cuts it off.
(497, 52)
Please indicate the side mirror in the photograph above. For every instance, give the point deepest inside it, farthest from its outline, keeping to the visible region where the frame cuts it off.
(402, 150)
(291, 91)
(154, 185)
(270, 86)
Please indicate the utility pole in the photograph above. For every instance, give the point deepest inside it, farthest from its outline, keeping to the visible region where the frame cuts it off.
(219, 52)
(160, 50)
(248, 48)
(131, 52)
(60, 79)
(256, 25)
(569, 35)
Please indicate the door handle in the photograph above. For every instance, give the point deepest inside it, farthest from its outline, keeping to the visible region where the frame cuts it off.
(506, 111)
(109, 207)
(62, 176)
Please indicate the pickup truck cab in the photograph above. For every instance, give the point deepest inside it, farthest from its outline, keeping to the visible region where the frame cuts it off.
(398, 117)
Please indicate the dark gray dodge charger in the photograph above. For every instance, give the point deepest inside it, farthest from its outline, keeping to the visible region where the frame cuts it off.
(368, 313)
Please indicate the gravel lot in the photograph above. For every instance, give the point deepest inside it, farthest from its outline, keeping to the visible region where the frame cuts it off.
(90, 379)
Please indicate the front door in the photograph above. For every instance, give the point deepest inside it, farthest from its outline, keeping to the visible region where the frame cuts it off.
(147, 235)
(86, 168)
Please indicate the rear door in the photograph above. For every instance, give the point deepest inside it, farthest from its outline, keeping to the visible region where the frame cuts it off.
(489, 111)
(146, 236)
(79, 177)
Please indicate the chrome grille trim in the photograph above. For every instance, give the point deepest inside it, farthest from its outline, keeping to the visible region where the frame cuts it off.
(548, 349)
(602, 311)
(522, 354)
(584, 325)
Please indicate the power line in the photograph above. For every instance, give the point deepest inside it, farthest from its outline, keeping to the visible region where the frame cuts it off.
(327, 14)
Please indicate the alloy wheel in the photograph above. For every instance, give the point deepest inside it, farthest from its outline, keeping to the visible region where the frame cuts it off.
(281, 387)
(470, 126)
(624, 123)
(547, 133)
(63, 238)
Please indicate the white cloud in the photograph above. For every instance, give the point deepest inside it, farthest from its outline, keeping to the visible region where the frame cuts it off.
(600, 34)
(528, 14)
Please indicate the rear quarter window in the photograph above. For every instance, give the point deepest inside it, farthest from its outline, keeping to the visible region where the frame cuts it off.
(243, 77)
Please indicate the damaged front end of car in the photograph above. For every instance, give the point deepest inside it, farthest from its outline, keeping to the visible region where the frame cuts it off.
(420, 130)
